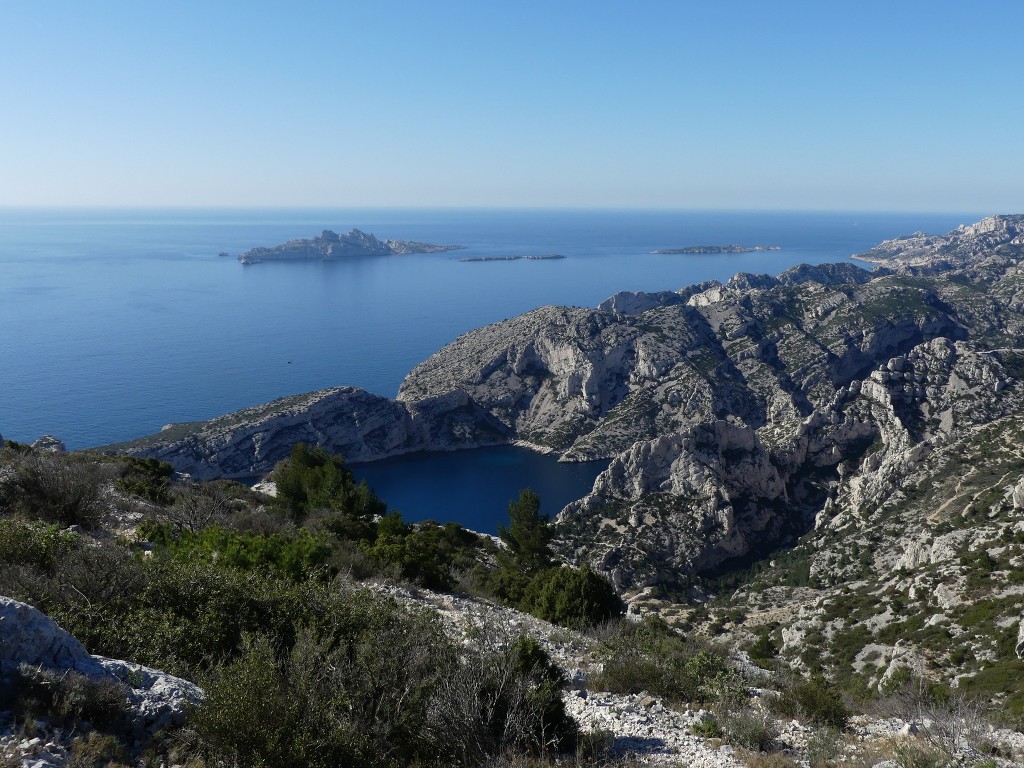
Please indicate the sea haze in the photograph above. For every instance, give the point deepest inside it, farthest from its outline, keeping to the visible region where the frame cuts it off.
(116, 323)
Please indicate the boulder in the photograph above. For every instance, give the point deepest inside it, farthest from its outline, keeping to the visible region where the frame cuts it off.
(30, 638)
(49, 444)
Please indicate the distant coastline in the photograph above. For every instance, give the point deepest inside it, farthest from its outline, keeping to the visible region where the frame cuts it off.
(733, 248)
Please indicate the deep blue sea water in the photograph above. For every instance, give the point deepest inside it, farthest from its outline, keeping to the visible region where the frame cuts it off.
(116, 322)
(474, 487)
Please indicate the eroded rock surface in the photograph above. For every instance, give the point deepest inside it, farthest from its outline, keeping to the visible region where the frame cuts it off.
(30, 638)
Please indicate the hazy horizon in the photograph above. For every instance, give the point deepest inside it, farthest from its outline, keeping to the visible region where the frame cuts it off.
(789, 106)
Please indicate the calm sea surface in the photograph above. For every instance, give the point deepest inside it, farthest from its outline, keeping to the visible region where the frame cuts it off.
(114, 323)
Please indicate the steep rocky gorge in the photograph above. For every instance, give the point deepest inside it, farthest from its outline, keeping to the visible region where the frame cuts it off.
(737, 416)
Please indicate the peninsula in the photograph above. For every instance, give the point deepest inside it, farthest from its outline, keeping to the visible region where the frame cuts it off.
(732, 248)
(330, 246)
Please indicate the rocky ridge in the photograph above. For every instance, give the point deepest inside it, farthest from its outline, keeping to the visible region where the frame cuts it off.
(345, 420)
(1002, 235)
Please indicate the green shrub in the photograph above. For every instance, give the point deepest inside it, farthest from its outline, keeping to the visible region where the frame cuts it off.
(95, 750)
(572, 597)
(68, 698)
(498, 703)
(900, 678)
(764, 648)
(750, 729)
(817, 700)
(312, 479)
(822, 747)
(149, 479)
(910, 754)
(247, 717)
(353, 690)
(431, 555)
(708, 728)
(650, 657)
(57, 489)
(297, 555)
(35, 544)
(595, 747)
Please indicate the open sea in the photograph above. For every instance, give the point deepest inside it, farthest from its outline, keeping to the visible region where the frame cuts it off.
(114, 323)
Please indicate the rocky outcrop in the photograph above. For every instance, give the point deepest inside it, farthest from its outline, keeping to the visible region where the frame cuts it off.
(330, 246)
(49, 444)
(685, 502)
(30, 638)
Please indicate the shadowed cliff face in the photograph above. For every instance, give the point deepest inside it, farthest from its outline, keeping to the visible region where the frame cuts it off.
(736, 415)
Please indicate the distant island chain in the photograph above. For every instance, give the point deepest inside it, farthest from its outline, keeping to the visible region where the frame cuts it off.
(733, 248)
(330, 246)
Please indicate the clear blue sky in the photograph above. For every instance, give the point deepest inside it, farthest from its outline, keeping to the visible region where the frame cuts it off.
(898, 105)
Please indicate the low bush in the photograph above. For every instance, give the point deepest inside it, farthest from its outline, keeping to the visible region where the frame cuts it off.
(650, 657)
(822, 747)
(764, 648)
(497, 703)
(196, 507)
(431, 555)
(297, 554)
(354, 688)
(753, 730)
(68, 698)
(388, 691)
(572, 597)
(95, 750)
(769, 760)
(56, 489)
(708, 728)
(912, 754)
(34, 544)
(816, 700)
(149, 479)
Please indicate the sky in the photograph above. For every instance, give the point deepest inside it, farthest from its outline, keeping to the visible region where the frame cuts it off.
(908, 105)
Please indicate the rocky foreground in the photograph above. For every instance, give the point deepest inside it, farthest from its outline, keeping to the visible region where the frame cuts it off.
(633, 727)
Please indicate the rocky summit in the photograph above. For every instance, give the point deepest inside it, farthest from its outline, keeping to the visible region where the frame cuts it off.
(737, 416)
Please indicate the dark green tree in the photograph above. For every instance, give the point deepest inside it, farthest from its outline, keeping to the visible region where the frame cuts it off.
(528, 536)
(312, 479)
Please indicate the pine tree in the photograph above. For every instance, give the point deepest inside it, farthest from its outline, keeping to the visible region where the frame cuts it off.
(528, 536)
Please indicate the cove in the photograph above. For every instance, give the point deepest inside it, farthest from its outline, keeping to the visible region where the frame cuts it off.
(474, 487)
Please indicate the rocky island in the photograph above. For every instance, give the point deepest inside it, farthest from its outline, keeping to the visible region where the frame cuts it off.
(330, 246)
(544, 257)
(733, 248)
